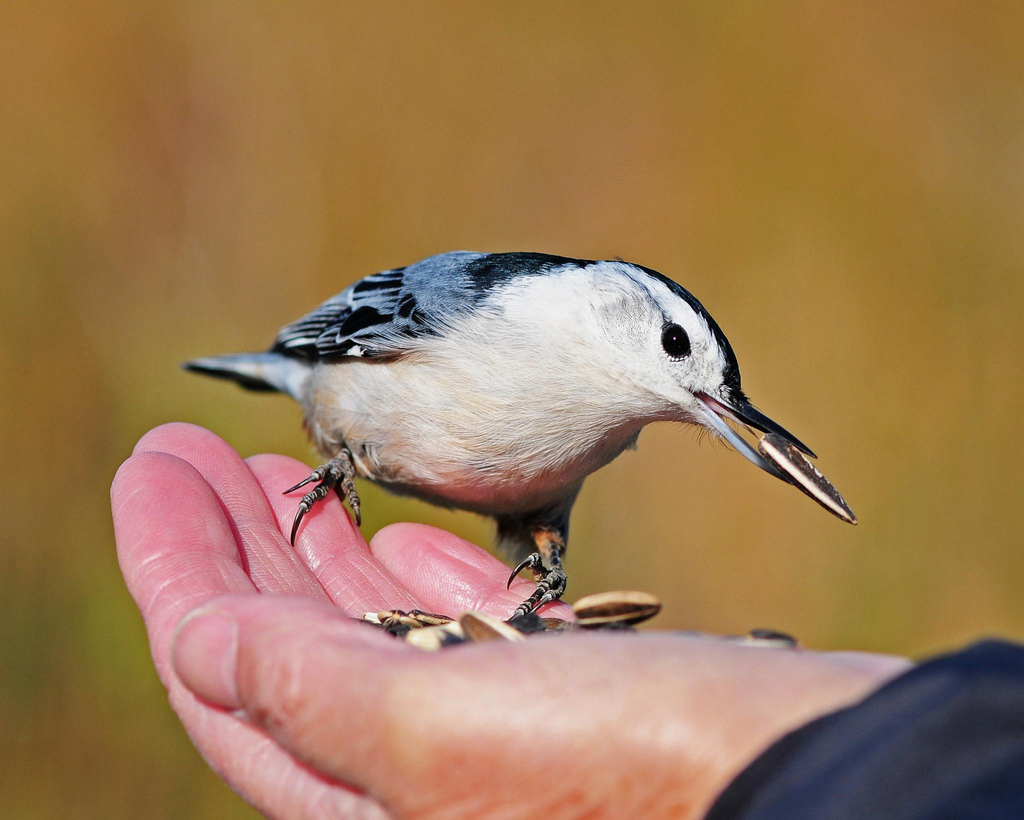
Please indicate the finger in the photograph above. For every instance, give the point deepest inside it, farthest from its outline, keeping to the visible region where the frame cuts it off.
(219, 623)
(266, 774)
(261, 771)
(450, 575)
(174, 544)
(329, 543)
(267, 556)
(177, 551)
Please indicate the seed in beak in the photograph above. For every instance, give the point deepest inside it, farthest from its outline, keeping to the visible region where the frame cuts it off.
(804, 475)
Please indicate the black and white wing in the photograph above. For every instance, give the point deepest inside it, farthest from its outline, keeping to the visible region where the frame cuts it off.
(384, 315)
(388, 314)
(359, 321)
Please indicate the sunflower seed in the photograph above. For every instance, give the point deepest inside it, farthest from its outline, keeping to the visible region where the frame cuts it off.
(394, 620)
(804, 475)
(480, 627)
(433, 638)
(429, 618)
(606, 609)
(770, 638)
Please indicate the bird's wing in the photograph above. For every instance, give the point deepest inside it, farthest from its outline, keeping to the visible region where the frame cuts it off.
(361, 321)
(385, 315)
(389, 314)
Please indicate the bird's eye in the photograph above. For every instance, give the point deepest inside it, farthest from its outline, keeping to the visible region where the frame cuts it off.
(675, 341)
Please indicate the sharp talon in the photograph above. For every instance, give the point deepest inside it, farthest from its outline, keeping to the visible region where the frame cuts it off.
(354, 504)
(302, 483)
(295, 524)
(526, 563)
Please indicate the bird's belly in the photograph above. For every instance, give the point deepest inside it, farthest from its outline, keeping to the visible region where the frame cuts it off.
(439, 470)
(471, 448)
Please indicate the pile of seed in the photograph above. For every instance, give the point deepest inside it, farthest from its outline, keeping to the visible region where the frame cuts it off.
(606, 610)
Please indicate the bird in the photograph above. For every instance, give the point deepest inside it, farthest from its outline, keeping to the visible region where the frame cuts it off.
(496, 383)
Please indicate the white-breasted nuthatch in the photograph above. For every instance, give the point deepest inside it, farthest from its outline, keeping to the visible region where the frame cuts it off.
(497, 382)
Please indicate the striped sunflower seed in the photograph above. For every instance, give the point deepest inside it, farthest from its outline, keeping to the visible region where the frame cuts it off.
(804, 475)
(607, 609)
(480, 627)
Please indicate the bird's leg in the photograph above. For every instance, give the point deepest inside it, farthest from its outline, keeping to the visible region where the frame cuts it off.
(546, 564)
(337, 474)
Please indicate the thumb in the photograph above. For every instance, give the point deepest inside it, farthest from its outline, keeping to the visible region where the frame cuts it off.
(596, 725)
(517, 729)
(319, 683)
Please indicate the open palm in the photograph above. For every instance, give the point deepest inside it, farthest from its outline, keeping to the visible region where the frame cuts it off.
(307, 713)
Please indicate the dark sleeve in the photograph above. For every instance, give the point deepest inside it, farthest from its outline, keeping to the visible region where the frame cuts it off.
(945, 739)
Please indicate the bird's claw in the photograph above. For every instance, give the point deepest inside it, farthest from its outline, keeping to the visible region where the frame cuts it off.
(339, 474)
(316, 475)
(304, 507)
(533, 561)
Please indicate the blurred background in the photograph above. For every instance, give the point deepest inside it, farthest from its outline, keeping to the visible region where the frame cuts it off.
(842, 187)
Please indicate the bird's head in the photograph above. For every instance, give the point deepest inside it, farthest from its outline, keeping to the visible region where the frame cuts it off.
(682, 360)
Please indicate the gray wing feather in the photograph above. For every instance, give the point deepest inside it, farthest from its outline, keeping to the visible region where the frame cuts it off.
(352, 323)
(383, 315)
(387, 313)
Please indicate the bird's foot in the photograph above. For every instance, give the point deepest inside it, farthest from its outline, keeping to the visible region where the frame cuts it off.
(337, 474)
(550, 584)
(532, 562)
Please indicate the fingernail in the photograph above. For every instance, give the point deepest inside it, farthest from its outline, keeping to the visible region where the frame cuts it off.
(205, 656)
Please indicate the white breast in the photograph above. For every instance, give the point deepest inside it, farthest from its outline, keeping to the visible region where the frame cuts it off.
(506, 412)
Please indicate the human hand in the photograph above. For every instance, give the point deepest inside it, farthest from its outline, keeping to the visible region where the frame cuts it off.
(305, 712)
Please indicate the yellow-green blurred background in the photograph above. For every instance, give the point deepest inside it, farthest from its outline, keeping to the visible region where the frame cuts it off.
(841, 184)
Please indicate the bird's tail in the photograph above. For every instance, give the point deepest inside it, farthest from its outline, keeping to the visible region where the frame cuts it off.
(257, 371)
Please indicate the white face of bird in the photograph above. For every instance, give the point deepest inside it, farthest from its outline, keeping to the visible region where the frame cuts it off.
(682, 358)
(683, 354)
(656, 340)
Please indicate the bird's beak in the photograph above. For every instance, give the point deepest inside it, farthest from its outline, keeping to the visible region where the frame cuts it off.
(793, 469)
(716, 411)
(743, 412)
